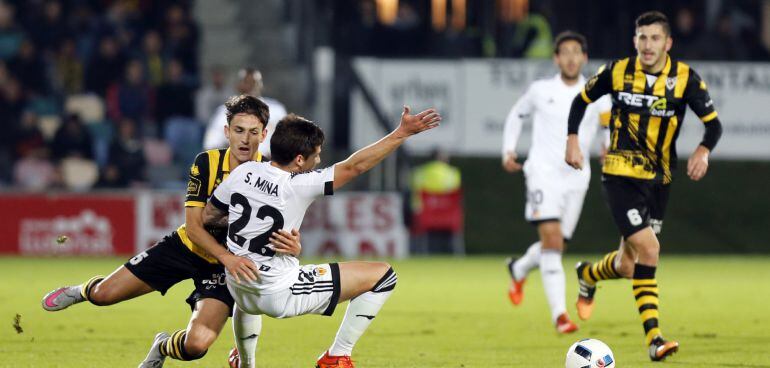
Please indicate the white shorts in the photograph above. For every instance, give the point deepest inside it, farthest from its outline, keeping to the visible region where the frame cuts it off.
(314, 289)
(551, 199)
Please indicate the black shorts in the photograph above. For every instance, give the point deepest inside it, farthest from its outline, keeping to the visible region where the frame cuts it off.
(169, 262)
(635, 204)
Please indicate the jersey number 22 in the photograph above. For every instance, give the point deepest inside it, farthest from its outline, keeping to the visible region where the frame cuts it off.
(259, 244)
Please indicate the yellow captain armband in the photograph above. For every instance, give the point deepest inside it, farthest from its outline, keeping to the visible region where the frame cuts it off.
(585, 97)
(709, 117)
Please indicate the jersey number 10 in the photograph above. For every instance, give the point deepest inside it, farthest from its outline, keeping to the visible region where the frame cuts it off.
(259, 244)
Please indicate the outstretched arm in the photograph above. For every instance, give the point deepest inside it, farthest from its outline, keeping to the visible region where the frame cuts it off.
(366, 158)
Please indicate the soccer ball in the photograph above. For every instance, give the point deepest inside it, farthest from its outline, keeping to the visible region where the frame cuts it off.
(589, 353)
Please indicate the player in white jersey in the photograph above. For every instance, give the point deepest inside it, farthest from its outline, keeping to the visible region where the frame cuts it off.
(262, 197)
(555, 191)
(250, 83)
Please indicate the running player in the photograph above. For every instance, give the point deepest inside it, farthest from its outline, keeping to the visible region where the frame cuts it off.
(179, 257)
(650, 93)
(262, 197)
(555, 191)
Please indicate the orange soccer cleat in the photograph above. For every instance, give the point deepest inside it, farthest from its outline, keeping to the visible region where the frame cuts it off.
(234, 360)
(660, 349)
(516, 290)
(329, 361)
(585, 302)
(564, 325)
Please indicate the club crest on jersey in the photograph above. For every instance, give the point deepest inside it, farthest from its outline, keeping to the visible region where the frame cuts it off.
(319, 271)
(194, 170)
(670, 83)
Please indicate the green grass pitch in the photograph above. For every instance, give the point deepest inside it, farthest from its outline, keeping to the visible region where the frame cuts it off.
(445, 312)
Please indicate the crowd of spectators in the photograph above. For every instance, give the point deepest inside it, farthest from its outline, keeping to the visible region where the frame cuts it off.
(89, 91)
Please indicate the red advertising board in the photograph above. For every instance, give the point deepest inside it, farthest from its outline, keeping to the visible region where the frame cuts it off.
(93, 224)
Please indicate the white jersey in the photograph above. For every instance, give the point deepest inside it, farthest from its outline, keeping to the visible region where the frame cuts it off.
(215, 134)
(548, 102)
(260, 199)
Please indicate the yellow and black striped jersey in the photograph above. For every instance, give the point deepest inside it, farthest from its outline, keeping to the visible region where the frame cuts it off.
(647, 113)
(207, 172)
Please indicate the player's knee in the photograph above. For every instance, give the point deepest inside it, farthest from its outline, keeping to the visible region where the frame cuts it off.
(197, 343)
(387, 279)
(625, 269)
(103, 295)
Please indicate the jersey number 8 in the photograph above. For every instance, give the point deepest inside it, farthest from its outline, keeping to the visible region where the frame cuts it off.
(259, 244)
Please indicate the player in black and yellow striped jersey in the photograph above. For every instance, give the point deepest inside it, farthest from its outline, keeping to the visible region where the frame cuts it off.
(190, 252)
(650, 93)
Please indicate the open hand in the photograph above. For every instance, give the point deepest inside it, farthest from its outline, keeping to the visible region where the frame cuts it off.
(413, 124)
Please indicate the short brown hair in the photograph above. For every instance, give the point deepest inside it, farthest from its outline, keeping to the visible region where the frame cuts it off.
(294, 135)
(653, 17)
(247, 104)
(570, 36)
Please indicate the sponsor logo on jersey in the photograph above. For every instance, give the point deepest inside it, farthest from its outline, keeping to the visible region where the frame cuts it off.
(656, 104)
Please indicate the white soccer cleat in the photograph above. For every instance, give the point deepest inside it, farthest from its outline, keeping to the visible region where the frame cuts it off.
(62, 298)
(154, 358)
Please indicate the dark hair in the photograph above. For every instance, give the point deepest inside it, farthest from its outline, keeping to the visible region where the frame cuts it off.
(294, 135)
(247, 104)
(652, 17)
(570, 36)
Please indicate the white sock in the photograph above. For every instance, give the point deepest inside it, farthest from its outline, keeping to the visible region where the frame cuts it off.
(360, 313)
(246, 328)
(529, 261)
(553, 281)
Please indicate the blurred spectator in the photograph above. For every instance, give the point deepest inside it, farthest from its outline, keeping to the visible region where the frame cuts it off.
(83, 26)
(68, 69)
(132, 98)
(686, 35)
(49, 28)
(124, 20)
(126, 165)
(11, 35)
(72, 139)
(249, 82)
(28, 137)
(435, 177)
(153, 58)
(182, 37)
(175, 97)
(723, 41)
(12, 101)
(532, 38)
(29, 67)
(437, 222)
(105, 68)
(211, 95)
(34, 171)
